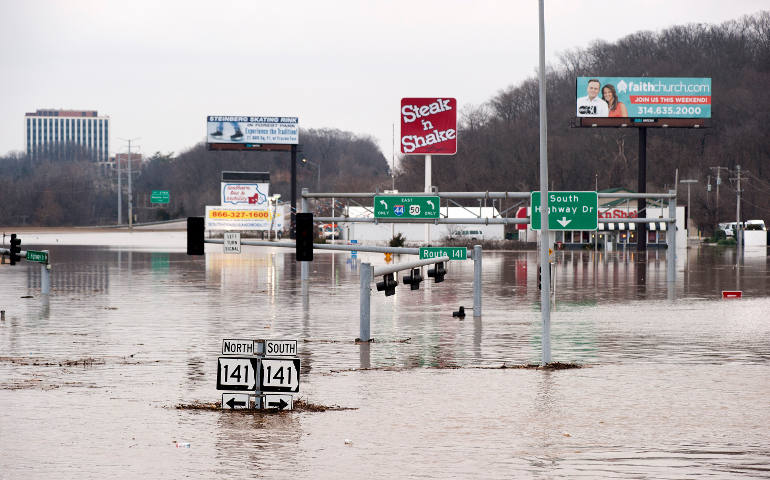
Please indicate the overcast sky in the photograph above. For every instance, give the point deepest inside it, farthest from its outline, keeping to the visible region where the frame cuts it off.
(158, 67)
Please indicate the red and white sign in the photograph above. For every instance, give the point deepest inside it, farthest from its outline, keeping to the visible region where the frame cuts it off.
(428, 126)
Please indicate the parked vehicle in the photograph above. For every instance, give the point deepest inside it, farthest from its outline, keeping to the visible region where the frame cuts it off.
(467, 235)
(330, 231)
(729, 228)
(755, 225)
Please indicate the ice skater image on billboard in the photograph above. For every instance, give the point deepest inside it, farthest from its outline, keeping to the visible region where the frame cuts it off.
(217, 134)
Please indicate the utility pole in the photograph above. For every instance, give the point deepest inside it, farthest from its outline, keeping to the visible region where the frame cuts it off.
(738, 229)
(719, 182)
(120, 191)
(130, 197)
(687, 224)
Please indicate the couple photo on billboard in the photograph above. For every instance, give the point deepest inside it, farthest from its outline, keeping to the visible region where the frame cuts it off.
(600, 101)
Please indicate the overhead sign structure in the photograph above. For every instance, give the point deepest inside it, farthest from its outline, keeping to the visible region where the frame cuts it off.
(244, 218)
(35, 256)
(454, 253)
(279, 375)
(238, 132)
(232, 242)
(237, 373)
(400, 206)
(641, 98)
(429, 126)
(567, 210)
(160, 196)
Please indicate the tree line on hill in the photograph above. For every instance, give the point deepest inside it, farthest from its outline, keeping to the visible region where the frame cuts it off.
(72, 190)
(498, 143)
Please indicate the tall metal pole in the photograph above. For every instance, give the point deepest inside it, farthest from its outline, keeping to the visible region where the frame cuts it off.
(120, 191)
(545, 292)
(687, 225)
(738, 229)
(427, 190)
(292, 224)
(641, 241)
(130, 198)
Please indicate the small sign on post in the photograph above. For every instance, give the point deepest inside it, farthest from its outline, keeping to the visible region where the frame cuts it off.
(454, 253)
(35, 256)
(270, 381)
(232, 242)
(160, 196)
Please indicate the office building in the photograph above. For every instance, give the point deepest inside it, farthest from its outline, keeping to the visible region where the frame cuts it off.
(58, 133)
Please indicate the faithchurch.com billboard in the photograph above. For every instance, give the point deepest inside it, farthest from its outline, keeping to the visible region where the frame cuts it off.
(643, 97)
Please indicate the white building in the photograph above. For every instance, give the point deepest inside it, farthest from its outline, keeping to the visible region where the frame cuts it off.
(51, 133)
(415, 232)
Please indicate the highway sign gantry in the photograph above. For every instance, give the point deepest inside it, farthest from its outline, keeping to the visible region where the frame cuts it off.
(406, 206)
(567, 210)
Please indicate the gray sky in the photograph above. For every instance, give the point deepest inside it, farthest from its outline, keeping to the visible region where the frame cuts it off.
(158, 67)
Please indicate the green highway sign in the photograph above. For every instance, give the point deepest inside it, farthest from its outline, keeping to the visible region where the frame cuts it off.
(567, 210)
(406, 206)
(160, 196)
(34, 256)
(454, 253)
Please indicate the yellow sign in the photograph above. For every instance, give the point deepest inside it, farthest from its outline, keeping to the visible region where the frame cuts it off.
(244, 214)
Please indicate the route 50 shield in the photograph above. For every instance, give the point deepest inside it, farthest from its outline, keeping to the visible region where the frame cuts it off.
(237, 373)
(279, 375)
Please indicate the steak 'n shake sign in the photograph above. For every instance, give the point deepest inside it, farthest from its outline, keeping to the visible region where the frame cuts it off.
(429, 126)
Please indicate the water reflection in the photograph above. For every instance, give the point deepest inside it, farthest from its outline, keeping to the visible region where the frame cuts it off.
(672, 385)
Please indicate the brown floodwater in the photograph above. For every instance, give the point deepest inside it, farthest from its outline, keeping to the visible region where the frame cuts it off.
(674, 381)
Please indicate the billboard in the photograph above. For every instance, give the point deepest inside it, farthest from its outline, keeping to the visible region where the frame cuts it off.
(428, 126)
(234, 218)
(224, 129)
(247, 189)
(647, 97)
(251, 194)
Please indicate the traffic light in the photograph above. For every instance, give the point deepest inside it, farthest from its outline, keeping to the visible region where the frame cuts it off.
(388, 284)
(195, 234)
(413, 279)
(437, 272)
(304, 237)
(15, 249)
(539, 278)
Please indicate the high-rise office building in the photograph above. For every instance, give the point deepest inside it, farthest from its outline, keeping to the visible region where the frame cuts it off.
(56, 133)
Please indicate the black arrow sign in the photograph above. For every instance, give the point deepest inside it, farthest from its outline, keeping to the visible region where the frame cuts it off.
(281, 404)
(232, 403)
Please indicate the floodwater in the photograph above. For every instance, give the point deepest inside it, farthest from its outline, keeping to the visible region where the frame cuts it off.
(675, 380)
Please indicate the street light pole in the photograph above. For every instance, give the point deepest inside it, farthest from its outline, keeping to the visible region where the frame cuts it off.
(688, 182)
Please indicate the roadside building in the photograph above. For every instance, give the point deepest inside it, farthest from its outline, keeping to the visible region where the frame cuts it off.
(618, 232)
(55, 134)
